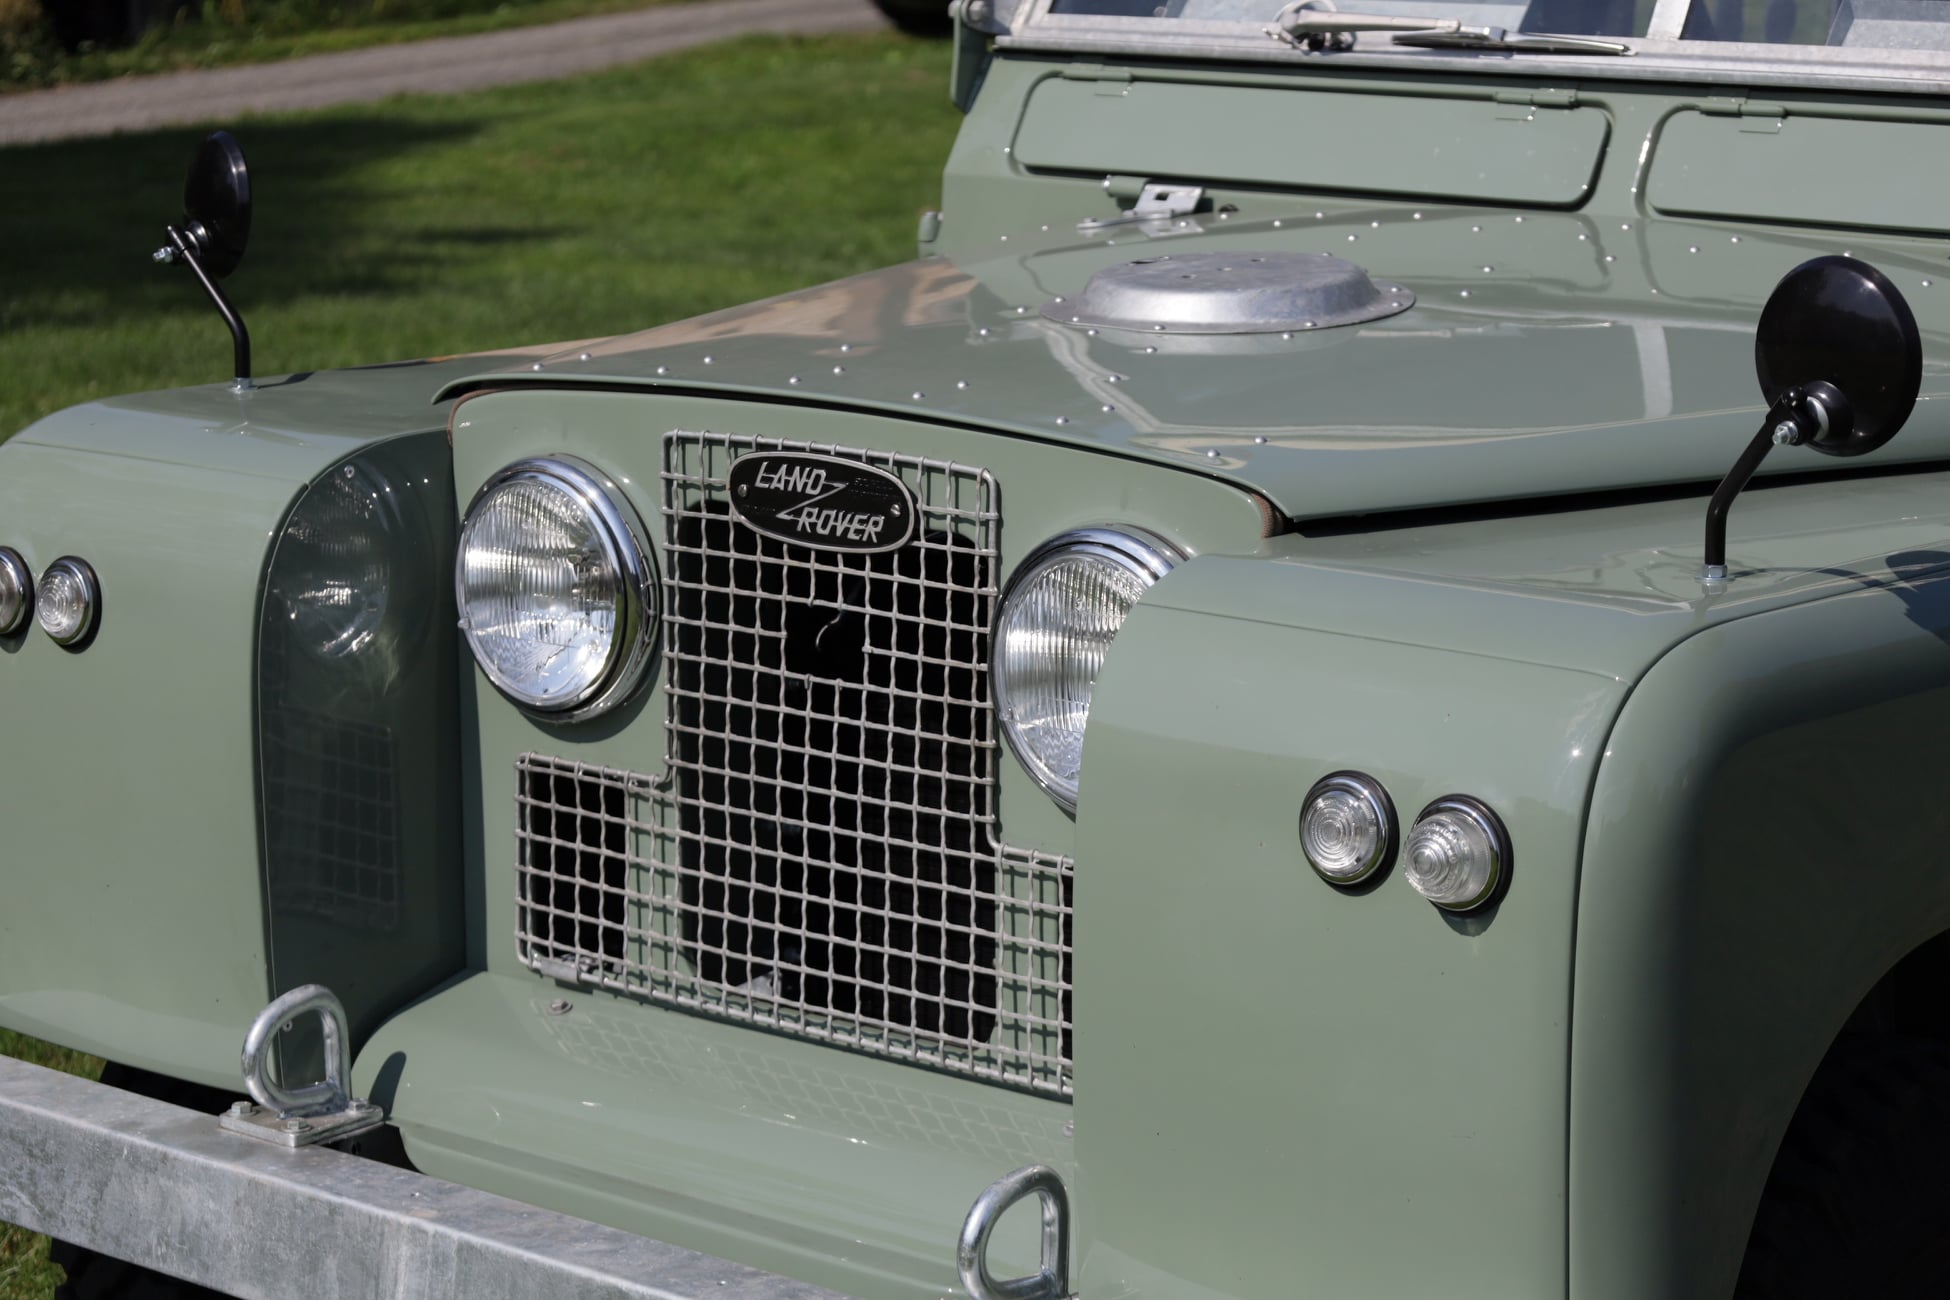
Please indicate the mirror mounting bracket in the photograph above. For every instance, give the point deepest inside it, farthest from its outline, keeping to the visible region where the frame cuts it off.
(1802, 414)
(182, 247)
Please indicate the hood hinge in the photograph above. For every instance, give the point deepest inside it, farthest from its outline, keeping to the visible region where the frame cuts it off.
(1539, 98)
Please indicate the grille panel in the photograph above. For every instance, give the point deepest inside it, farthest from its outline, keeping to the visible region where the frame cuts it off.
(821, 855)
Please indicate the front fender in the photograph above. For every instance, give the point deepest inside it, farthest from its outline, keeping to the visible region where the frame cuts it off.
(1283, 1086)
(1766, 840)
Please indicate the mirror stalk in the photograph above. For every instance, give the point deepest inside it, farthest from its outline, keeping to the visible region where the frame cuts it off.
(240, 335)
(1799, 415)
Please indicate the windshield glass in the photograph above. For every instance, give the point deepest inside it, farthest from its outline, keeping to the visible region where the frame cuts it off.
(1569, 17)
(1894, 25)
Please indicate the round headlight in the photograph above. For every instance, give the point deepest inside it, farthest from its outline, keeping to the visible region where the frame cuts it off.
(1347, 827)
(16, 591)
(1457, 853)
(1062, 609)
(68, 601)
(557, 592)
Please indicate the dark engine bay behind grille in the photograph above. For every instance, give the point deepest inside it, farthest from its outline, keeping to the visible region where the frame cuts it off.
(832, 735)
(820, 855)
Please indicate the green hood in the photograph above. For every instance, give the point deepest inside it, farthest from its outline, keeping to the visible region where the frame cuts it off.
(1545, 354)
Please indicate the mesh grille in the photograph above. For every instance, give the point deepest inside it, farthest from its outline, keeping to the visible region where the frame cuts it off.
(821, 856)
(332, 808)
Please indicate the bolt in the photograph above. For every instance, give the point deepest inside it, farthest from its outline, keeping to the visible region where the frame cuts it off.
(242, 1109)
(166, 254)
(561, 1006)
(976, 12)
(1785, 434)
(359, 1104)
(295, 1126)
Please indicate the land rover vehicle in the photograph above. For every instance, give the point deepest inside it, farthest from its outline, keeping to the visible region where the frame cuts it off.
(1223, 703)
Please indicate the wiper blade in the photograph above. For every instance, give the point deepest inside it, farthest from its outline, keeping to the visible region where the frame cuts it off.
(1495, 38)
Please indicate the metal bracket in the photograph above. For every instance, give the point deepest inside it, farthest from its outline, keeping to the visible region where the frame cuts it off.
(1052, 1281)
(317, 1112)
(1158, 204)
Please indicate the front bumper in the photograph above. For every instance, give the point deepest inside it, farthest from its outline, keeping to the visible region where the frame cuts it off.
(163, 1187)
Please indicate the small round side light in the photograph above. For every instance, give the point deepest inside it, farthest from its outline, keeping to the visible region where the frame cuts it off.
(16, 591)
(1347, 827)
(1457, 854)
(68, 602)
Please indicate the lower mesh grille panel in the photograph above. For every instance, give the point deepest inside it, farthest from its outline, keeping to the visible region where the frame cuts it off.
(820, 856)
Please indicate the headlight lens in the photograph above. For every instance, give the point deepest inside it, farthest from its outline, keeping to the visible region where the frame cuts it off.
(16, 591)
(1061, 612)
(334, 565)
(1347, 827)
(556, 590)
(68, 601)
(1457, 853)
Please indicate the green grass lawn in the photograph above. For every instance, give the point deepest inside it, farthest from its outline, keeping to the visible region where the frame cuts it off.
(428, 226)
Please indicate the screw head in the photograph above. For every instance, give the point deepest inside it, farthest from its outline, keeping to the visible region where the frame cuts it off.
(1785, 434)
(242, 1109)
(166, 254)
(295, 1126)
(560, 1007)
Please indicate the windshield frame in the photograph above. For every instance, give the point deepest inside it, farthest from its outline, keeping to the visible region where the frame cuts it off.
(1660, 55)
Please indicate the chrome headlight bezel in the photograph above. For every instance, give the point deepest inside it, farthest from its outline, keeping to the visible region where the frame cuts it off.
(633, 644)
(1142, 554)
(16, 592)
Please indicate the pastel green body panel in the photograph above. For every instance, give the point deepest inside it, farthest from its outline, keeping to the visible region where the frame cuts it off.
(1459, 149)
(1746, 166)
(131, 835)
(849, 1172)
(174, 499)
(1765, 842)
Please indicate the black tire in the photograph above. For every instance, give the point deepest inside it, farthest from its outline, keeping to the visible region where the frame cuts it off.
(103, 1277)
(918, 17)
(1858, 1203)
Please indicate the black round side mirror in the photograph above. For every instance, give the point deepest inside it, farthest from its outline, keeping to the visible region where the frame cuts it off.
(217, 204)
(1840, 321)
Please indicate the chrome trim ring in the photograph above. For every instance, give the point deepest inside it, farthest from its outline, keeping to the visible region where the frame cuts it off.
(1368, 791)
(624, 542)
(80, 571)
(1485, 818)
(16, 591)
(1137, 551)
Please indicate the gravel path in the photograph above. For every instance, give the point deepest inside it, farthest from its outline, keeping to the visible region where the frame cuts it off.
(433, 67)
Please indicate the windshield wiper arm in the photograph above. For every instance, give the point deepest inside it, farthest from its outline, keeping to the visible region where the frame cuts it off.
(1495, 38)
(1318, 25)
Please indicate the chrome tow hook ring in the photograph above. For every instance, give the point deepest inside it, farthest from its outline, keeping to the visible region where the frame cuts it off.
(317, 1112)
(1052, 1281)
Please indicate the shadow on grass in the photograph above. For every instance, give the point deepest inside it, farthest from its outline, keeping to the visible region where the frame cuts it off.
(83, 217)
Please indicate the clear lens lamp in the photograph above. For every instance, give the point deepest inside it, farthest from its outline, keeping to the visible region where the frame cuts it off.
(1457, 853)
(1058, 618)
(1347, 827)
(16, 591)
(557, 593)
(68, 601)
